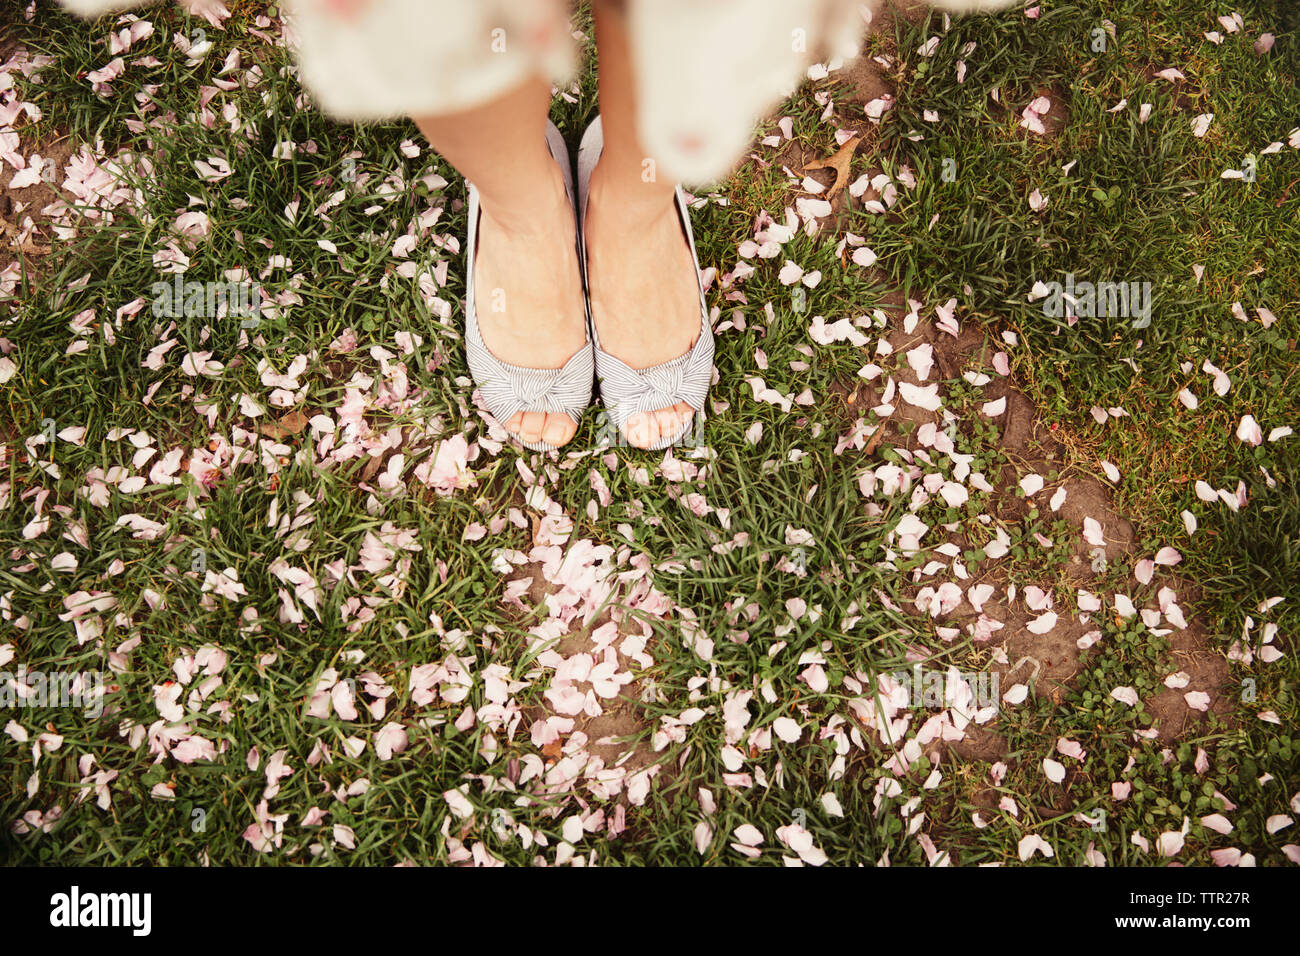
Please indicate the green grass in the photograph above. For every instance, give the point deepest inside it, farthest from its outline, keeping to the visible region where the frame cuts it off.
(1143, 202)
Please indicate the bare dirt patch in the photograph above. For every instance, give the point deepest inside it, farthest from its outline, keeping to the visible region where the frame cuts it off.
(619, 735)
(1033, 445)
(23, 219)
(25, 208)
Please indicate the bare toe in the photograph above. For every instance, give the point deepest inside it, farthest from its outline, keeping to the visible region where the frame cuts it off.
(642, 430)
(669, 420)
(685, 413)
(559, 429)
(531, 425)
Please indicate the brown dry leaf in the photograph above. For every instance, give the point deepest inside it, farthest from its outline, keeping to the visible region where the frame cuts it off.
(840, 163)
(27, 246)
(290, 424)
(30, 249)
(874, 441)
(295, 421)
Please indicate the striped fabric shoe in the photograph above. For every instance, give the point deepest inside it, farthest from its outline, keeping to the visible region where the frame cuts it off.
(505, 388)
(626, 391)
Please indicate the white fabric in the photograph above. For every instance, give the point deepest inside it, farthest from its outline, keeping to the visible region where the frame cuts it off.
(706, 69)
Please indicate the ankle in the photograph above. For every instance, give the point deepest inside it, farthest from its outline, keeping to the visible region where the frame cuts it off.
(638, 203)
(536, 213)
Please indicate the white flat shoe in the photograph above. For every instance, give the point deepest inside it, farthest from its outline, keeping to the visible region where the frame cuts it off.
(505, 388)
(627, 391)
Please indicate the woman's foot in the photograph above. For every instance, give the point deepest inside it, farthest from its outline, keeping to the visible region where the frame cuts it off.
(645, 299)
(528, 298)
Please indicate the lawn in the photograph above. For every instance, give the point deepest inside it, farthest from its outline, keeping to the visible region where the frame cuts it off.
(951, 575)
